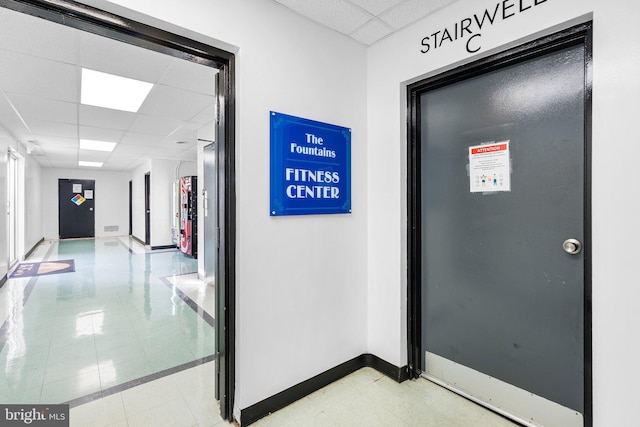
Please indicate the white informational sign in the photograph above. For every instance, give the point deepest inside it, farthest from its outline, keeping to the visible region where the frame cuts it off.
(489, 167)
(77, 188)
(88, 194)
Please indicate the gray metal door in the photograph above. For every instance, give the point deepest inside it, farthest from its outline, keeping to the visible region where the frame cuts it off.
(502, 281)
(210, 199)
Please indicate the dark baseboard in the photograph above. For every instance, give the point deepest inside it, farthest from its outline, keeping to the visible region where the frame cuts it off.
(28, 254)
(392, 371)
(278, 401)
(137, 240)
(153, 248)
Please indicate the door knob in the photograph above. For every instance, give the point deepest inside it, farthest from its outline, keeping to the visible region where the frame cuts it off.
(572, 246)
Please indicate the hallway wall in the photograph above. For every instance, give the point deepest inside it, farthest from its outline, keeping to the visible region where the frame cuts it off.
(162, 173)
(137, 199)
(30, 189)
(33, 203)
(301, 281)
(4, 252)
(616, 207)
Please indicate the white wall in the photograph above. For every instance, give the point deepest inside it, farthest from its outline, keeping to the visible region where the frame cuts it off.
(33, 204)
(30, 209)
(616, 208)
(163, 173)
(111, 199)
(138, 199)
(4, 236)
(300, 281)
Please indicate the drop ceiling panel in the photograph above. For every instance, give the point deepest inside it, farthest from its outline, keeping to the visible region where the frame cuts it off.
(37, 37)
(201, 78)
(36, 108)
(357, 18)
(173, 103)
(154, 125)
(93, 156)
(371, 31)
(411, 11)
(128, 150)
(58, 153)
(10, 120)
(58, 145)
(64, 163)
(205, 116)
(100, 134)
(46, 93)
(339, 15)
(105, 117)
(141, 139)
(23, 74)
(376, 7)
(55, 129)
(106, 55)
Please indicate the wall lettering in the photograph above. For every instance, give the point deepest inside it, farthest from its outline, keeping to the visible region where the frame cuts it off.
(469, 29)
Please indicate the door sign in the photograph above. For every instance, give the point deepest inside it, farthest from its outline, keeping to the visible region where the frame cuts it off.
(78, 199)
(310, 167)
(489, 167)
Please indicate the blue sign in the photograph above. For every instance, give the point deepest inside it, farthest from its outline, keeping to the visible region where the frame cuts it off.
(310, 167)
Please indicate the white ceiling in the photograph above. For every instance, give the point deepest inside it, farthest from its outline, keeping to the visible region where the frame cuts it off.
(366, 21)
(40, 84)
(40, 97)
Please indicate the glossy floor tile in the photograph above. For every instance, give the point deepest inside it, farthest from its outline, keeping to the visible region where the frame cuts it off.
(119, 319)
(127, 340)
(369, 398)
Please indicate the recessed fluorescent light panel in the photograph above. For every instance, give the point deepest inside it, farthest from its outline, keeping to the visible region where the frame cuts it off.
(88, 144)
(90, 164)
(111, 91)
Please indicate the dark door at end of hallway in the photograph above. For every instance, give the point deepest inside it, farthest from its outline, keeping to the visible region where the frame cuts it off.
(76, 214)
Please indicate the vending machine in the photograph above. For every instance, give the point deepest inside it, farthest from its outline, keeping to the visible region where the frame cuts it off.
(189, 215)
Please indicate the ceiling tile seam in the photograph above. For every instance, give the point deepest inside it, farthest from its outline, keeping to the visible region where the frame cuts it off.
(390, 28)
(15, 110)
(34, 56)
(372, 17)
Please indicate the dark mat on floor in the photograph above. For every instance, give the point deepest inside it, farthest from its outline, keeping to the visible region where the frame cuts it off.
(29, 269)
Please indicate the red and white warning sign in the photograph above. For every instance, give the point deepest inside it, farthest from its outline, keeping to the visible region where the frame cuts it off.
(489, 167)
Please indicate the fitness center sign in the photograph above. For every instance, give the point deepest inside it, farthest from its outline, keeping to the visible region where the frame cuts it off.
(310, 167)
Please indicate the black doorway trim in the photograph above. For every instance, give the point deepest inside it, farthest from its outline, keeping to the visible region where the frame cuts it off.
(96, 21)
(579, 34)
(130, 208)
(147, 208)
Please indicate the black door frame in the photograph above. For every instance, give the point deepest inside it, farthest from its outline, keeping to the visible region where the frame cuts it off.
(579, 34)
(147, 208)
(93, 20)
(130, 207)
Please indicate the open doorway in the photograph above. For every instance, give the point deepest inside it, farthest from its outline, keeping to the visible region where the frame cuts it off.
(12, 208)
(125, 30)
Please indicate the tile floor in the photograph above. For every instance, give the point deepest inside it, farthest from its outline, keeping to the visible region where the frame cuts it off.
(104, 340)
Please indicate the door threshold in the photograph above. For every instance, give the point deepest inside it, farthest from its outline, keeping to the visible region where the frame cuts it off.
(503, 398)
